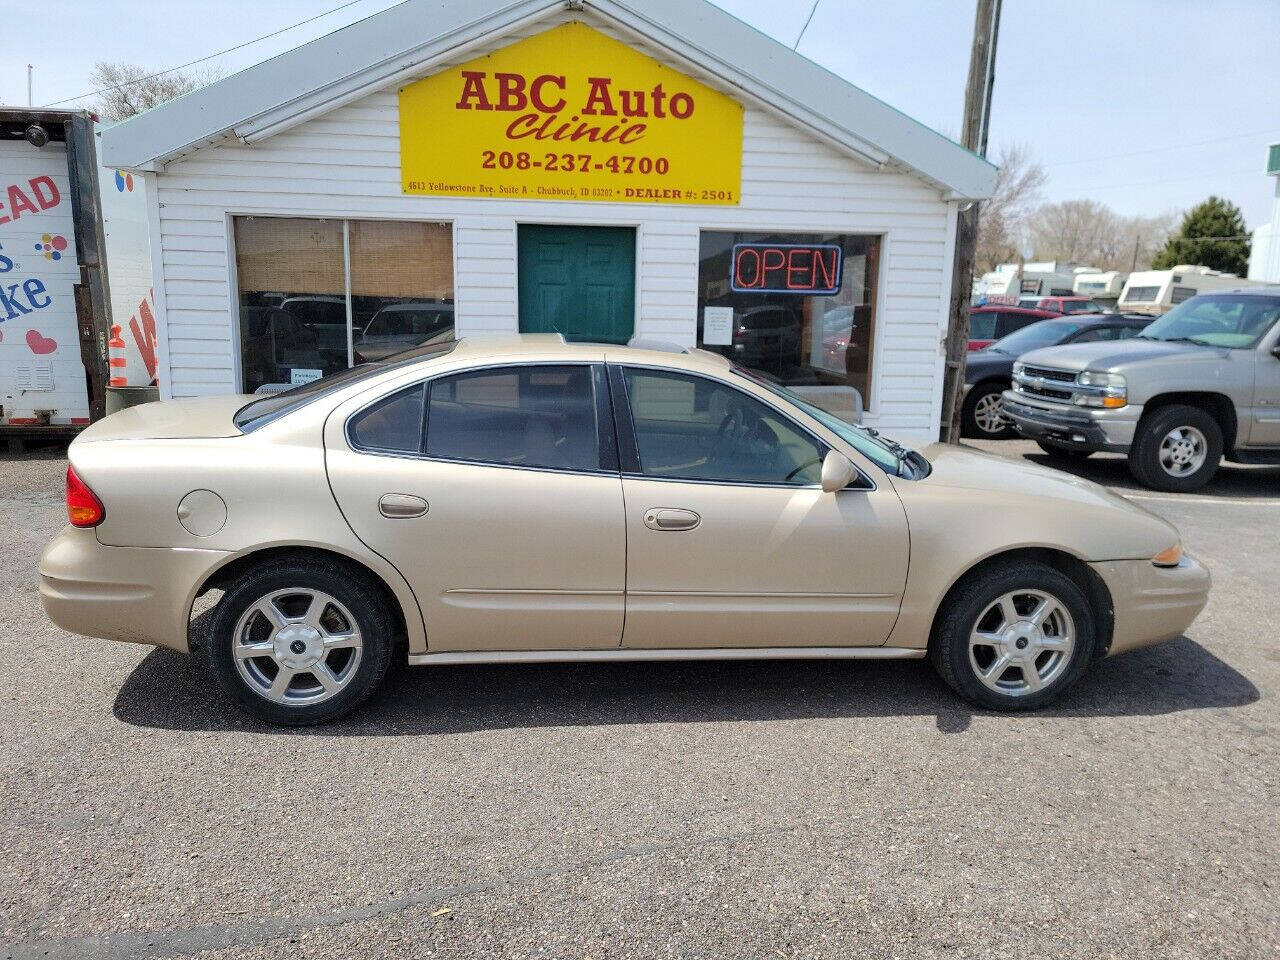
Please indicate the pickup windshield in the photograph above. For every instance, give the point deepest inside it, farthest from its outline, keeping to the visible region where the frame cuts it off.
(1232, 320)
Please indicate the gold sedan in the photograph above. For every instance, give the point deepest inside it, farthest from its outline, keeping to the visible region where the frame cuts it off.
(522, 499)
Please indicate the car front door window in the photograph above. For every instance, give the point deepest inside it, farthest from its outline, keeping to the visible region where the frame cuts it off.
(694, 428)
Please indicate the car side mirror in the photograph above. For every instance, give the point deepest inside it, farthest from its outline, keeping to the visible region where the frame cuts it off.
(837, 472)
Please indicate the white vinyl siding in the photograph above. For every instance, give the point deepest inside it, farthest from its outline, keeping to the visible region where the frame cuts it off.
(347, 164)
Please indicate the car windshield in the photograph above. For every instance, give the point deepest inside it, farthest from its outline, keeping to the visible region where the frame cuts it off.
(1233, 320)
(1046, 333)
(258, 413)
(884, 453)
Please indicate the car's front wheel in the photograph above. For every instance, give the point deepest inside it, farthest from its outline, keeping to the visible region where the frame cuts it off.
(1178, 448)
(1013, 637)
(300, 642)
(982, 418)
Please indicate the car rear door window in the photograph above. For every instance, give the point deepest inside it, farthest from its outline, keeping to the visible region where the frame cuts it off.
(392, 425)
(524, 416)
(693, 428)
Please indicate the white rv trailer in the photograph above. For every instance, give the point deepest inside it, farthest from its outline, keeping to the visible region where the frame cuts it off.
(1103, 287)
(1156, 291)
(1009, 281)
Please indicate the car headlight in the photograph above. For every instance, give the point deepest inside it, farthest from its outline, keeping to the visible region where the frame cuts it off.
(1109, 390)
(1092, 378)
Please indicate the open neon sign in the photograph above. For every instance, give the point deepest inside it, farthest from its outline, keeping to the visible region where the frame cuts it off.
(811, 269)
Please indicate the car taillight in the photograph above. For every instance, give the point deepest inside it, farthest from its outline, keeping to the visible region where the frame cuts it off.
(84, 509)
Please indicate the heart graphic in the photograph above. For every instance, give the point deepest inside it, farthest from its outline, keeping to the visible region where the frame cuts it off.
(40, 343)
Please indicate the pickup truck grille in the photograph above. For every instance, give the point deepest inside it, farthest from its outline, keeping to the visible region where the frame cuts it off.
(1056, 386)
(1045, 373)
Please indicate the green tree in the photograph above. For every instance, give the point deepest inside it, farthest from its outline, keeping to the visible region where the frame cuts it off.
(1195, 241)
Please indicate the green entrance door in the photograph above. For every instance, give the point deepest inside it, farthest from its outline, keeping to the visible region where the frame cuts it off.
(579, 281)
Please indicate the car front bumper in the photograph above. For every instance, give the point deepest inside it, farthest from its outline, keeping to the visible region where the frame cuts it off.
(1151, 603)
(1077, 428)
(130, 594)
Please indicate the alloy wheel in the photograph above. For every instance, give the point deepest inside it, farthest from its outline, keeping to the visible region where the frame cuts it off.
(1183, 451)
(297, 646)
(987, 414)
(1022, 642)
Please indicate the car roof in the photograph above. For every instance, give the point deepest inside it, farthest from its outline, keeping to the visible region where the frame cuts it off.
(549, 346)
(1016, 309)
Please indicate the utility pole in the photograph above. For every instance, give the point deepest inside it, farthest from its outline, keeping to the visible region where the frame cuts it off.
(977, 113)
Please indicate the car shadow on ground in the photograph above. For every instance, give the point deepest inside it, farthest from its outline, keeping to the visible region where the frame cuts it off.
(172, 691)
(1231, 480)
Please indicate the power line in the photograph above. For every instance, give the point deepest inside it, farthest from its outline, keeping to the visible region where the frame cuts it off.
(812, 11)
(192, 63)
(1180, 146)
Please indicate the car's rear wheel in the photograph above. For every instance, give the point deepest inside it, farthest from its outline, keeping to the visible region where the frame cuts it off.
(1178, 448)
(1013, 637)
(299, 642)
(981, 417)
(1056, 452)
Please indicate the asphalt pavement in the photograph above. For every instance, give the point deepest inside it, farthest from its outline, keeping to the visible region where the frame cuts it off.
(806, 809)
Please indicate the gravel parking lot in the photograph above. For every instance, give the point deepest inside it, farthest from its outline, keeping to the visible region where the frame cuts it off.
(741, 810)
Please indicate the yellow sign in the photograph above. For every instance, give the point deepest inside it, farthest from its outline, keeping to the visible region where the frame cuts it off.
(571, 115)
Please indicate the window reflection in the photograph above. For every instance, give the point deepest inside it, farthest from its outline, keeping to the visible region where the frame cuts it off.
(796, 338)
(304, 315)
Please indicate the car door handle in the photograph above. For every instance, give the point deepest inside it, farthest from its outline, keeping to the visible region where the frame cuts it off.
(671, 518)
(401, 506)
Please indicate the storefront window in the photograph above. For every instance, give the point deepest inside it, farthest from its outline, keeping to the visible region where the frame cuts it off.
(800, 308)
(303, 315)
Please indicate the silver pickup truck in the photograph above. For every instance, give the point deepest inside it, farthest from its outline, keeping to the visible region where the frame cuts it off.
(1200, 383)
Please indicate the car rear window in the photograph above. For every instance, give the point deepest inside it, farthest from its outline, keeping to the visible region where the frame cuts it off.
(258, 413)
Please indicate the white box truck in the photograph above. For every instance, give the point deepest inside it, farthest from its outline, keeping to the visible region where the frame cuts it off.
(56, 331)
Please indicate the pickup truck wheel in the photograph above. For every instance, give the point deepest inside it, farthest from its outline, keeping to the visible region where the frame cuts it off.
(980, 419)
(1013, 637)
(1178, 449)
(1056, 452)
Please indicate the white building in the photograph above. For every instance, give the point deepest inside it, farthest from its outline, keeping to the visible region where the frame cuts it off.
(1264, 255)
(606, 168)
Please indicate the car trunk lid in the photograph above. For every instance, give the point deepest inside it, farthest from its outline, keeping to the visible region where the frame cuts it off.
(169, 420)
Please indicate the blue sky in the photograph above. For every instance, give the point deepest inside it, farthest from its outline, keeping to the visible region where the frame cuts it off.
(1145, 105)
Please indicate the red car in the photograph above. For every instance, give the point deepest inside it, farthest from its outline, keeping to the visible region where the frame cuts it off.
(988, 324)
(1069, 305)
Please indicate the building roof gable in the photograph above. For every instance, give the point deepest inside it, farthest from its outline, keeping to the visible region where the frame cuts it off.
(373, 53)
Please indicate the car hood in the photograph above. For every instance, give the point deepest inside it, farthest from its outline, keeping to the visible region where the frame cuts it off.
(170, 420)
(1112, 356)
(1038, 506)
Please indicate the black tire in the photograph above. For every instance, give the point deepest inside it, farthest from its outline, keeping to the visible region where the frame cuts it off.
(969, 426)
(972, 598)
(1144, 455)
(353, 589)
(1055, 452)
